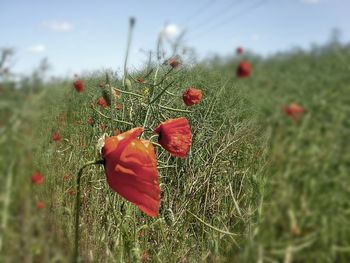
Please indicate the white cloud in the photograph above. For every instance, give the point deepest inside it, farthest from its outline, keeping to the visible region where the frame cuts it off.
(37, 48)
(58, 26)
(255, 37)
(311, 2)
(171, 31)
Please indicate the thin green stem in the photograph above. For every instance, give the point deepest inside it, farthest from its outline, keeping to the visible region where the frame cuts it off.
(131, 26)
(173, 109)
(77, 209)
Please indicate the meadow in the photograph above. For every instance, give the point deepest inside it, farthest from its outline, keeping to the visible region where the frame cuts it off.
(256, 186)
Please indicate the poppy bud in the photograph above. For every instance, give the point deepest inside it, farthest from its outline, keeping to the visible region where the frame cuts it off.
(192, 96)
(244, 69)
(175, 136)
(131, 169)
(128, 84)
(79, 86)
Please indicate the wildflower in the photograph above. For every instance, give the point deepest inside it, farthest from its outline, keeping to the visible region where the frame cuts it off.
(56, 137)
(192, 96)
(294, 111)
(90, 121)
(175, 136)
(71, 192)
(119, 106)
(79, 86)
(37, 178)
(40, 205)
(103, 127)
(244, 69)
(173, 62)
(102, 102)
(131, 169)
(239, 50)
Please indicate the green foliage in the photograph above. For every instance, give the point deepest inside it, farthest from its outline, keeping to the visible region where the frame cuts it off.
(256, 187)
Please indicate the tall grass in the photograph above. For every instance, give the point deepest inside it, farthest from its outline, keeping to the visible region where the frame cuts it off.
(256, 187)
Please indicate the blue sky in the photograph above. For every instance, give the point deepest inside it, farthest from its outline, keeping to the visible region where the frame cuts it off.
(78, 35)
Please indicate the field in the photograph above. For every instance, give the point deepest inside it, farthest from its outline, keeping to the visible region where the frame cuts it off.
(256, 186)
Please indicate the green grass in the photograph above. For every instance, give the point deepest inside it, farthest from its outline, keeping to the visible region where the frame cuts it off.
(280, 188)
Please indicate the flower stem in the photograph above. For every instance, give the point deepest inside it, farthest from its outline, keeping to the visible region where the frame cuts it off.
(77, 209)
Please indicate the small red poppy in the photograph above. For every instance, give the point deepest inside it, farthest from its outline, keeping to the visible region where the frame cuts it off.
(294, 111)
(37, 178)
(175, 136)
(56, 137)
(239, 50)
(174, 63)
(79, 86)
(131, 169)
(192, 96)
(244, 69)
(90, 121)
(102, 102)
(40, 205)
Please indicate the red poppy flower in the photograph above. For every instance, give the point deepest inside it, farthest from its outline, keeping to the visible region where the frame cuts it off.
(294, 111)
(175, 136)
(131, 169)
(174, 63)
(102, 102)
(37, 178)
(79, 86)
(56, 137)
(192, 96)
(239, 50)
(40, 205)
(90, 121)
(244, 69)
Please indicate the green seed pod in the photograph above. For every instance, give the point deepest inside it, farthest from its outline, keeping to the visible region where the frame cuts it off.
(127, 84)
(169, 217)
(106, 94)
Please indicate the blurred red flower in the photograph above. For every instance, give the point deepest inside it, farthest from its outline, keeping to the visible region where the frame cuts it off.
(131, 169)
(79, 86)
(90, 121)
(175, 136)
(244, 69)
(173, 62)
(102, 102)
(294, 111)
(239, 50)
(56, 137)
(40, 205)
(66, 177)
(37, 178)
(192, 96)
